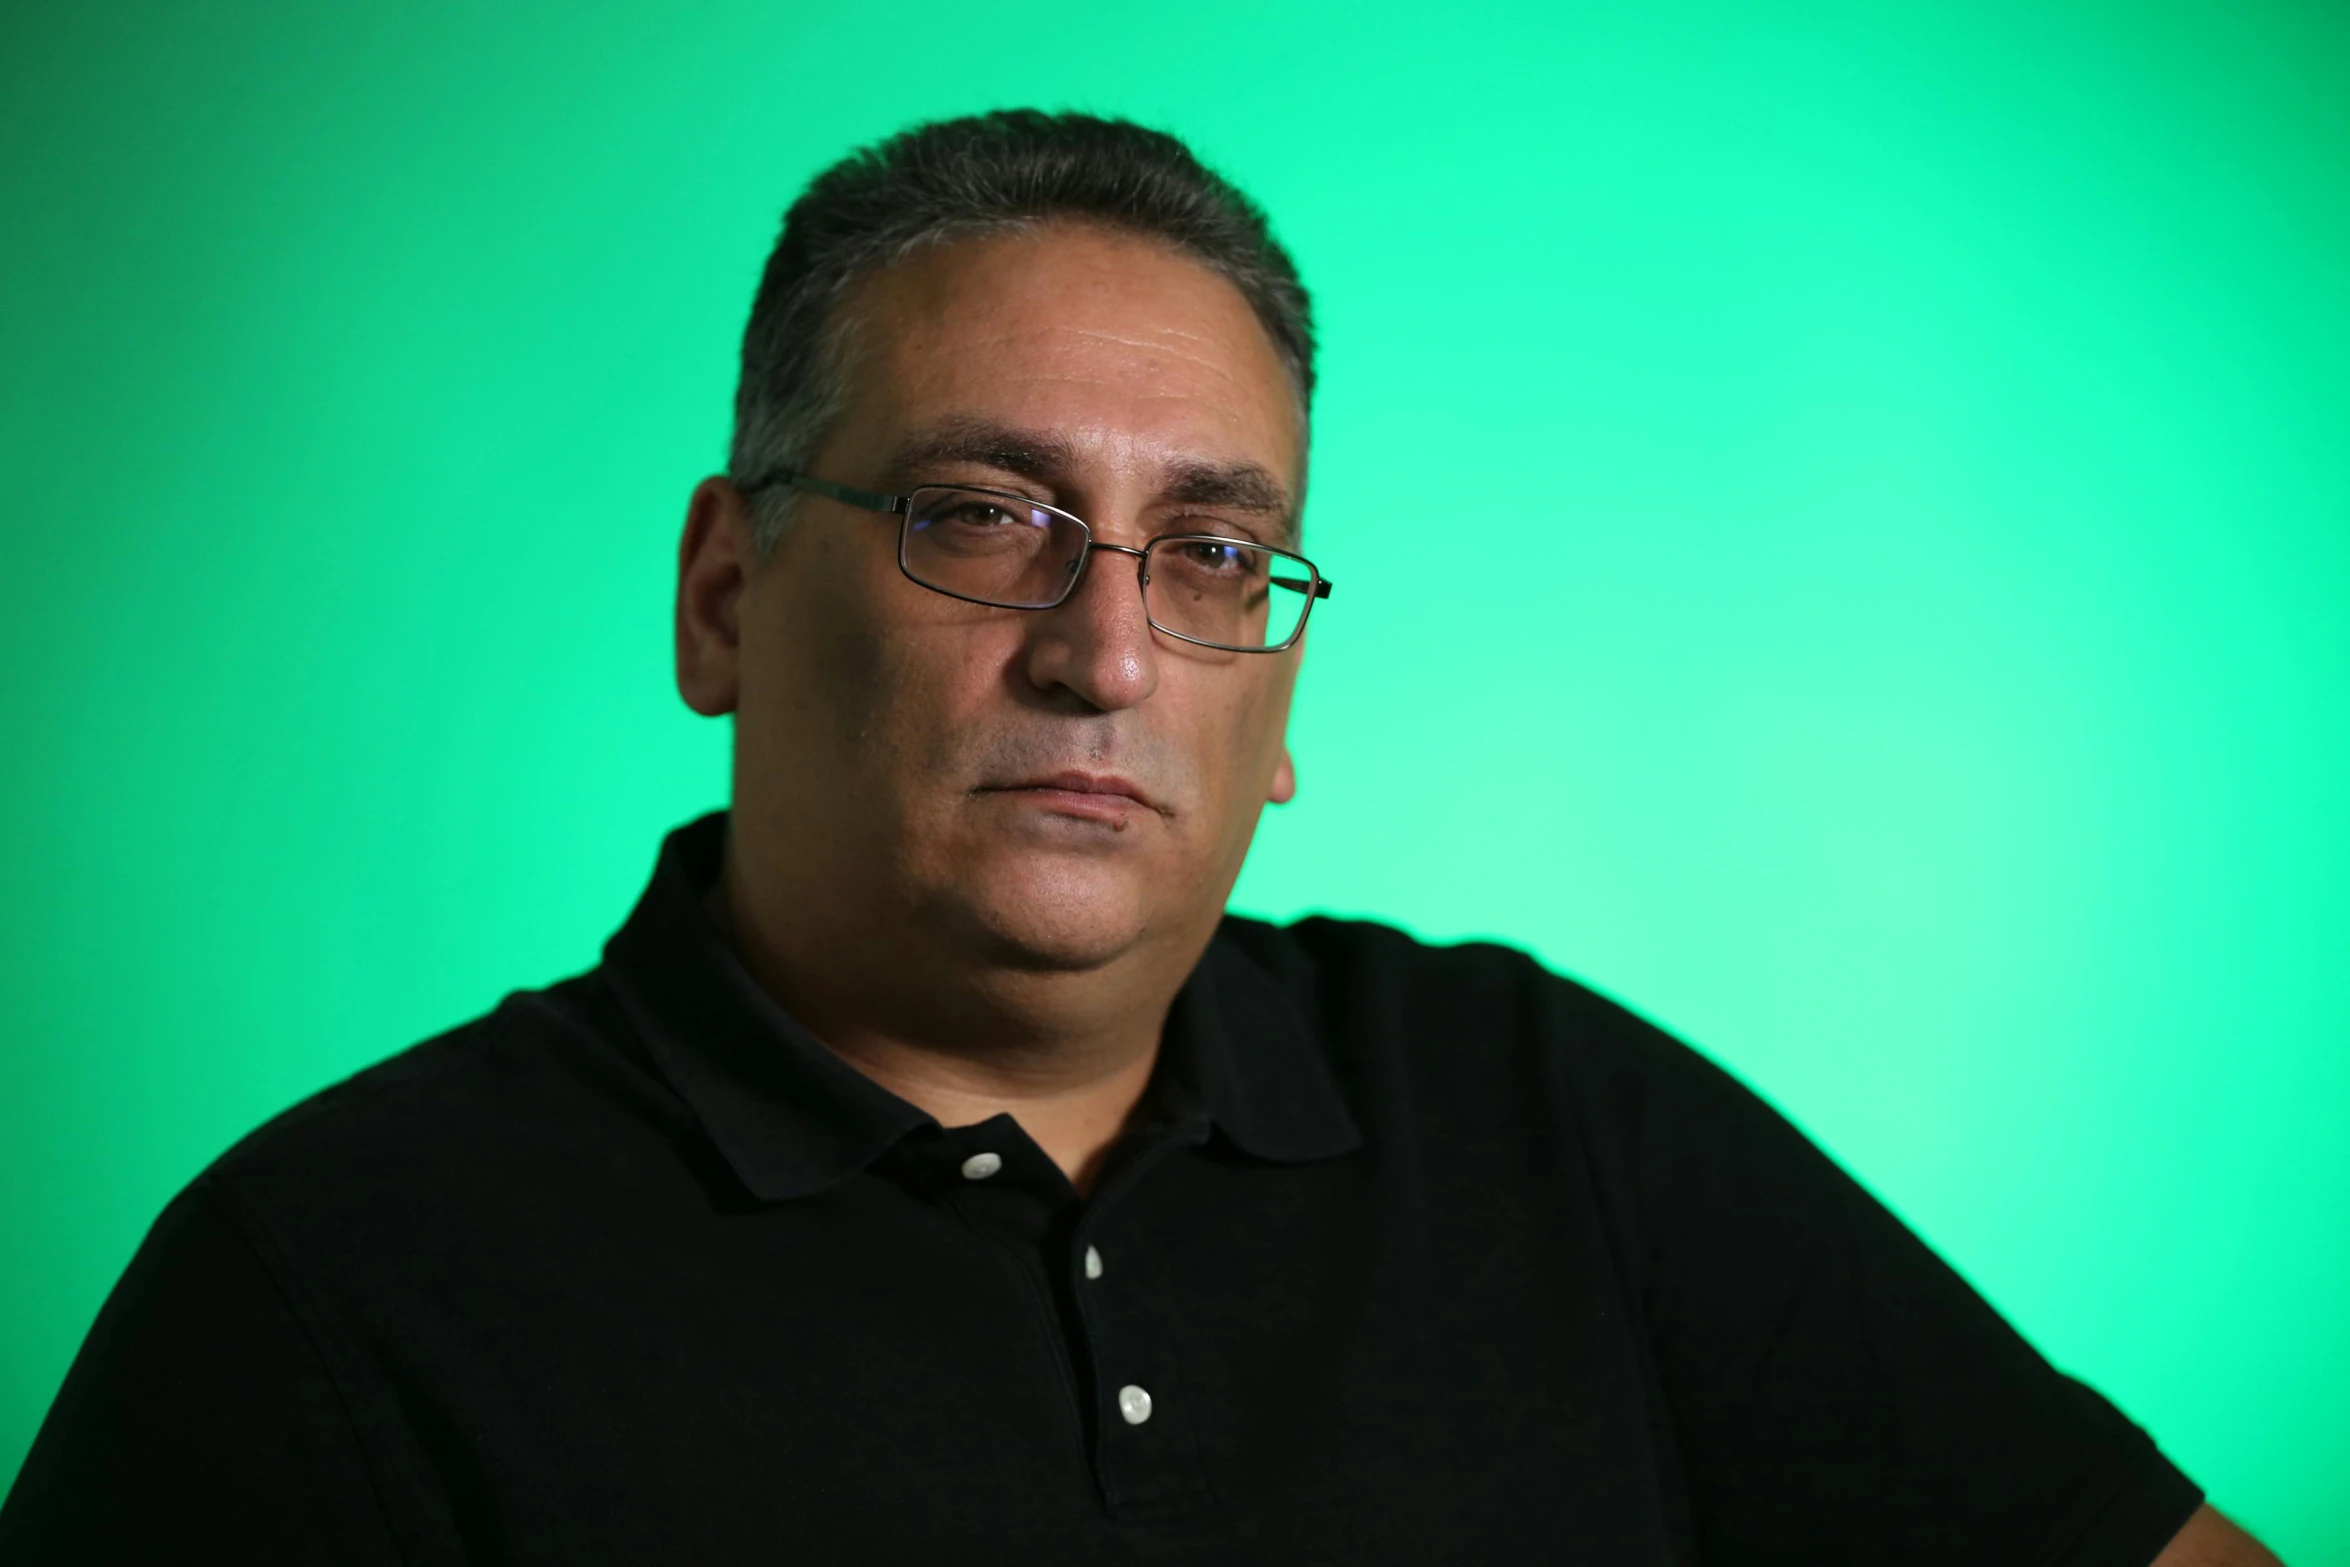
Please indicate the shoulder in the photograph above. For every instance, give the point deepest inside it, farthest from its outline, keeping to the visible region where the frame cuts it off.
(1362, 981)
(1484, 1036)
(477, 1115)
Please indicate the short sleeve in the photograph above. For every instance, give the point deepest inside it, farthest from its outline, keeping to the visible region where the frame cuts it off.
(198, 1423)
(1838, 1394)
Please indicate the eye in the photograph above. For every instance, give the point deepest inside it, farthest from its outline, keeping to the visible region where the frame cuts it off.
(972, 514)
(1219, 559)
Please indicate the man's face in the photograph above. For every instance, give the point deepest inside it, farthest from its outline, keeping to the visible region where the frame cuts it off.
(1050, 789)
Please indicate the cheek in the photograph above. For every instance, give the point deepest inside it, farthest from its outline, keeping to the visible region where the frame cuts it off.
(929, 690)
(815, 663)
(1248, 741)
(932, 705)
(1268, 716)
(861, 675)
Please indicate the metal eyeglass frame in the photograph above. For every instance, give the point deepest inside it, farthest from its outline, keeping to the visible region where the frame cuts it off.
(902, 507)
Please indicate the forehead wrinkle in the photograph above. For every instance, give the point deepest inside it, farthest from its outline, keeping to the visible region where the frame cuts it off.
(1203, 350)
(1255, 486)
(1197, 347)
(1194, 350)
(1214, 327)
(1212, 353)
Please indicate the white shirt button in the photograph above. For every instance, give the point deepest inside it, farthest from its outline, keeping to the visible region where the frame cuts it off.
(982, 1165)
(1134, 1403)
(1093, 1263)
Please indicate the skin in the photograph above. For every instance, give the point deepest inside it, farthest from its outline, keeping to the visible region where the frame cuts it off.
(975, 946)
(2211, 1540)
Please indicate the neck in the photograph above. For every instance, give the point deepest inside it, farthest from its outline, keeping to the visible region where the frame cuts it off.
(1067, 1055)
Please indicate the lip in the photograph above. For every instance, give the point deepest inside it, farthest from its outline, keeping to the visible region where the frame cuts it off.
(1104, 796)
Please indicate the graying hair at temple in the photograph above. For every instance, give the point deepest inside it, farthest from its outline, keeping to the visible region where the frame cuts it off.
(1006, 171)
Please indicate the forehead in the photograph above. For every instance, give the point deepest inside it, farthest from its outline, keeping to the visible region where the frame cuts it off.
(1133, 356)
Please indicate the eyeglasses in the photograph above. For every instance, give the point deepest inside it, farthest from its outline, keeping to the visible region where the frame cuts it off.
(994, 547)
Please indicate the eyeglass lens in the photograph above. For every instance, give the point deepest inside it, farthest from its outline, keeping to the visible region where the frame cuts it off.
(995, 550)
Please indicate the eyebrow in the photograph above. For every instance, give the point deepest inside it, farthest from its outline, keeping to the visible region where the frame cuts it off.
(1241, 484)
(1032, 454)
(1049, 459)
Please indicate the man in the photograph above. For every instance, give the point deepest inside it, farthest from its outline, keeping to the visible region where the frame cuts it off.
(932, 1170)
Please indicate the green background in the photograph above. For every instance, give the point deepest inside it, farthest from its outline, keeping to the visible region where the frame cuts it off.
(1842, 516)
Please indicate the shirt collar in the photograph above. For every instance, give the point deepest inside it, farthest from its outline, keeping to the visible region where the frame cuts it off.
(792, 1118)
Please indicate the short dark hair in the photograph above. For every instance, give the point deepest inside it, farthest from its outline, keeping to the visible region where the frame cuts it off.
(1009, 170)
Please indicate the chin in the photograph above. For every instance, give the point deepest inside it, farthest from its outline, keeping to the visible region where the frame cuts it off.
(1044, 911)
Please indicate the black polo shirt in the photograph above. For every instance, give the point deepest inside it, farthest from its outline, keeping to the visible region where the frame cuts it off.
(1414, 1254)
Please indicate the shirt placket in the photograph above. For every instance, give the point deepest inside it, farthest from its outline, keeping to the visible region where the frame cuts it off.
(1147, 1459)
(1101, 1305)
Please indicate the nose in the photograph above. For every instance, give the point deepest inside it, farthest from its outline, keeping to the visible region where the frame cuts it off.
(1097, 643)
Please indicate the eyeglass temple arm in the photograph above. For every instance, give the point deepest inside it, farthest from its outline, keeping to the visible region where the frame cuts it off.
(868, 500)
(1298, 585)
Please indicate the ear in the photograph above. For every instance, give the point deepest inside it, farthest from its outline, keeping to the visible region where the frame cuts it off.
(1284, 780)
(714, 561)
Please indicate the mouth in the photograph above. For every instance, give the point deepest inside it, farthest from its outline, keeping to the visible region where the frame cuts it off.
(1103, 797)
